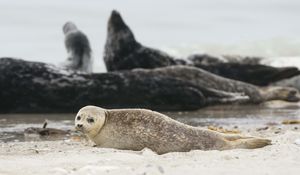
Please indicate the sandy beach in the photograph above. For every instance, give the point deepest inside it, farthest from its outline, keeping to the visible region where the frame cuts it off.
(75, 156)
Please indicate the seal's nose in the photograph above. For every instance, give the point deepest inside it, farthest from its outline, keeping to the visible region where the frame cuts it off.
(79, 125)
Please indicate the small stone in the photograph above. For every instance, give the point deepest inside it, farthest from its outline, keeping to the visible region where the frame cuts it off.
(290, 122)
(160, 169)
(263, 128)
(297, 142)
(271, 123)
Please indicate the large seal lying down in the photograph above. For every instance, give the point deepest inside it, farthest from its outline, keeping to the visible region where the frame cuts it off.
(246, 69)
(135, 129)
(208, 80)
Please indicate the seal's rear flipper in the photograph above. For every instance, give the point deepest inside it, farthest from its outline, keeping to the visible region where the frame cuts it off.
(248, 142)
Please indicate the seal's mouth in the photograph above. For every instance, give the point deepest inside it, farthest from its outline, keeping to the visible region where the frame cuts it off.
(79, 128)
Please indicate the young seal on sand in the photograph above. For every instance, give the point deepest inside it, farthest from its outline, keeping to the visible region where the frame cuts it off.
(78, 48)
(135, 129)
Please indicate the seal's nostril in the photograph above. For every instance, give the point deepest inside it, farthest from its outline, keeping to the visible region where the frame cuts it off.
(79, 125)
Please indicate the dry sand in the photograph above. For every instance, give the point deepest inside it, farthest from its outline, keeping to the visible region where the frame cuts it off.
(77, 157)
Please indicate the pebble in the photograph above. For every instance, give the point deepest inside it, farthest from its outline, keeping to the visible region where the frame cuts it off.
(297, 142)
(161, 170)
(263, 128)
(59, 171)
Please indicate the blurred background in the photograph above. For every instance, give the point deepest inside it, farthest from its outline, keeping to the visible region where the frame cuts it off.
(32, 29)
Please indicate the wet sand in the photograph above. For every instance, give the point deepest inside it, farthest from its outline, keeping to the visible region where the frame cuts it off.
(76, 156)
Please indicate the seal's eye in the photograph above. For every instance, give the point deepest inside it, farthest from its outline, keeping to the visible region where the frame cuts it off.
(90, 120)
(78, 117)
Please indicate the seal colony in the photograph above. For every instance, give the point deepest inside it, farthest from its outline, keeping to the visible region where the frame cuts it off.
(123, 52)
(78, 48)
(153, 80)
(65, 91)
(136, 129)
(169, 88)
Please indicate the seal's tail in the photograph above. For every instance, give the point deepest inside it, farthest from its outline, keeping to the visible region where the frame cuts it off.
(247, 142)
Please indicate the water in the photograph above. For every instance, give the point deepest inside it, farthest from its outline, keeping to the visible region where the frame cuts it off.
(12, 126)
(32, 29)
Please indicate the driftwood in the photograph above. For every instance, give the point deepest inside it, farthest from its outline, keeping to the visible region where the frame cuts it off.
(44, 131)
(38, 87)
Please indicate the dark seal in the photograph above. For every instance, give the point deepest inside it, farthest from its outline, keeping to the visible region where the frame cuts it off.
(123, 52)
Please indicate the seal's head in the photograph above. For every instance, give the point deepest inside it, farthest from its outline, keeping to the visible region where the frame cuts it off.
(116, 22)
(282, 93)
(69, 27)
(289, 94)
(90, 120)
(118, 30)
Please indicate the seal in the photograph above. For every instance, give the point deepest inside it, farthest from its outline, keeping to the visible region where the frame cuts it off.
(136, 129)
(290, 82)
(208, 80)
(123, 52)
(78, 48)
(246, 69)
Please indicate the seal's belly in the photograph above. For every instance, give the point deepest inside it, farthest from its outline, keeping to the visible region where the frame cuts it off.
(118, 141)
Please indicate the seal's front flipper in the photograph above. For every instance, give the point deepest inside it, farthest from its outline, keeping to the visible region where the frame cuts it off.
(222, 97)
